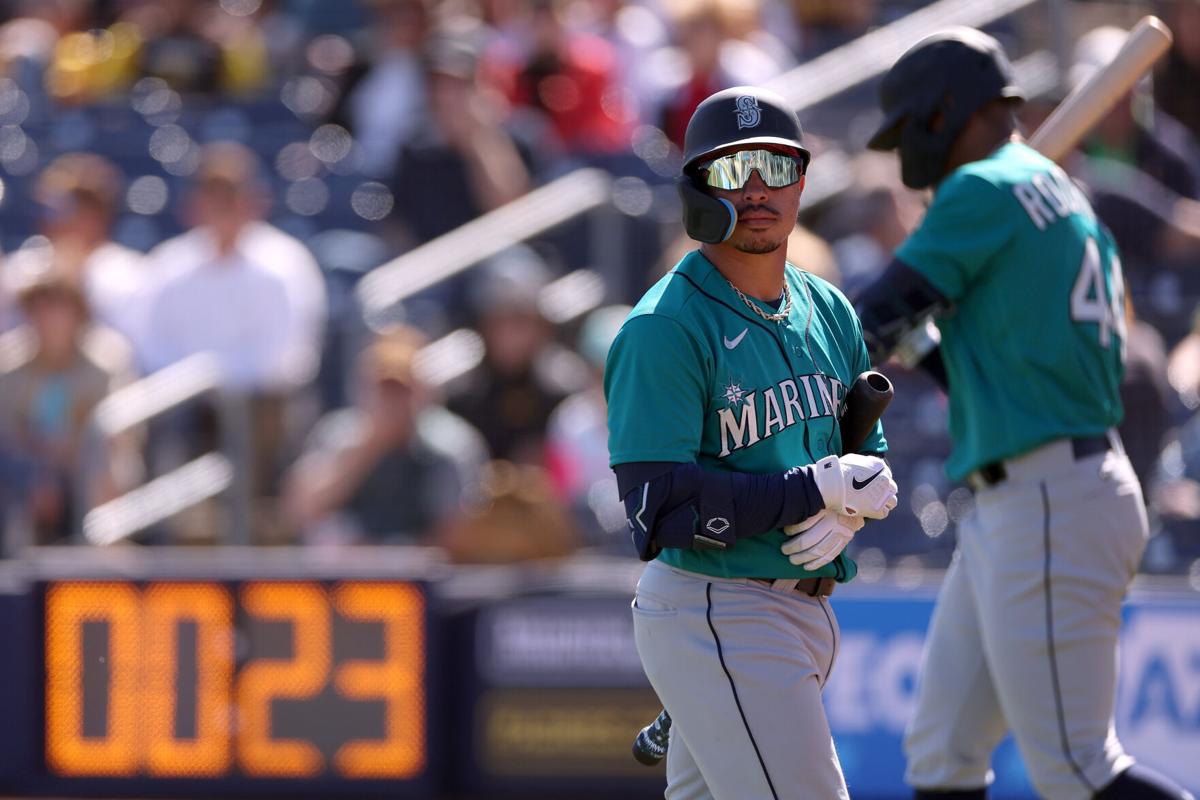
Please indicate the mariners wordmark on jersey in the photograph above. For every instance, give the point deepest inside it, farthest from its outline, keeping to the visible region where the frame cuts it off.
(751, 416)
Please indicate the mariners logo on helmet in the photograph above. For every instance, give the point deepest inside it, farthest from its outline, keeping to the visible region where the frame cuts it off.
(720, 123)
(748, 112)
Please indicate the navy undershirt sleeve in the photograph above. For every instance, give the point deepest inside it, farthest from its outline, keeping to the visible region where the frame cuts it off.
(762, 503)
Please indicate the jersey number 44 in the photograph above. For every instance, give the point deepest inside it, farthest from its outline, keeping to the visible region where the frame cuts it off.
(1093, 299)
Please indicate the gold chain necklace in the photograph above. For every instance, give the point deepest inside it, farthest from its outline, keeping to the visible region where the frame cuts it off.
(778, 316)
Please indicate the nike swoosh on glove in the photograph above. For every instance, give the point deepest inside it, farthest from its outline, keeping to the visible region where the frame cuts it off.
(856, 485)
(819, 539)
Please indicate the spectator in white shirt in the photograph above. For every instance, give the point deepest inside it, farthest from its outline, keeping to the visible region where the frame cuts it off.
(235, 286)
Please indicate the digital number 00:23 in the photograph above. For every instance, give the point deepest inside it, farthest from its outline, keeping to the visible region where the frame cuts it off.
(233, 707)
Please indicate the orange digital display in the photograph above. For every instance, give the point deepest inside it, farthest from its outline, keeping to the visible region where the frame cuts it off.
(397, 680)
(209, 608)
(301, 676)
(267, 679)
(70, 609)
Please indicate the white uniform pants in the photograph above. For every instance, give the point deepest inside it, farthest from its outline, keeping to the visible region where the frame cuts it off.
(1024, 636)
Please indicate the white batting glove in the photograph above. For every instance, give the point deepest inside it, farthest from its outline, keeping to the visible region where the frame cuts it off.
(819, 539)
(856, 485)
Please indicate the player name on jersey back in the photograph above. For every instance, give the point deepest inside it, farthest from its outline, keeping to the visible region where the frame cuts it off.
(1049, 196)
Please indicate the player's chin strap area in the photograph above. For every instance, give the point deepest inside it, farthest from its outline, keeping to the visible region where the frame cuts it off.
(689, 507)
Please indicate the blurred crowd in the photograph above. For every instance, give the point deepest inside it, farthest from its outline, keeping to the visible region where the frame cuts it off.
(199, 186)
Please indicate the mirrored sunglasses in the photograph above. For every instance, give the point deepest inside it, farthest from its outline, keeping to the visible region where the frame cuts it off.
(732, 171)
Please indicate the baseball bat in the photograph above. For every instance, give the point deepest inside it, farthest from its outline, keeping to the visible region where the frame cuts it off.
(865, 403)
(1093, 98)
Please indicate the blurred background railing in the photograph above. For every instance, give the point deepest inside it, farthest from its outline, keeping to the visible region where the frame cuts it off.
(546, 207)
(872, 53)
(202, 478)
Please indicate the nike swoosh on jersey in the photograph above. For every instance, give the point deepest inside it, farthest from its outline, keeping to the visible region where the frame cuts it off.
(857, 485)
(735, 341)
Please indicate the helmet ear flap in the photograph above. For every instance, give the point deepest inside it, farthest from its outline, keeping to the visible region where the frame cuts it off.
(706, 218)
(924, 149)
(932, 107)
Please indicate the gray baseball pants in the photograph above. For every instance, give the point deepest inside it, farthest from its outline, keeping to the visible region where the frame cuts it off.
(740, 666)
(1024, 636)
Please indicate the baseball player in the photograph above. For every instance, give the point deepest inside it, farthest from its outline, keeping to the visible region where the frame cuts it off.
(1027, 291)
(724, 388)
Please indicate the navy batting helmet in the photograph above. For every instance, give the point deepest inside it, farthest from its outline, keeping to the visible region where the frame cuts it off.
(736, 117)
(950, 74)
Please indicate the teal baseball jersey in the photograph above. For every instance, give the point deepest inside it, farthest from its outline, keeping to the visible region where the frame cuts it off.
(695, 376)
(1034, 342)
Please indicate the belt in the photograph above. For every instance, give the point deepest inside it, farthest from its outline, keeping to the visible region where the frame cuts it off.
(1082, 447)
(813, 587)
